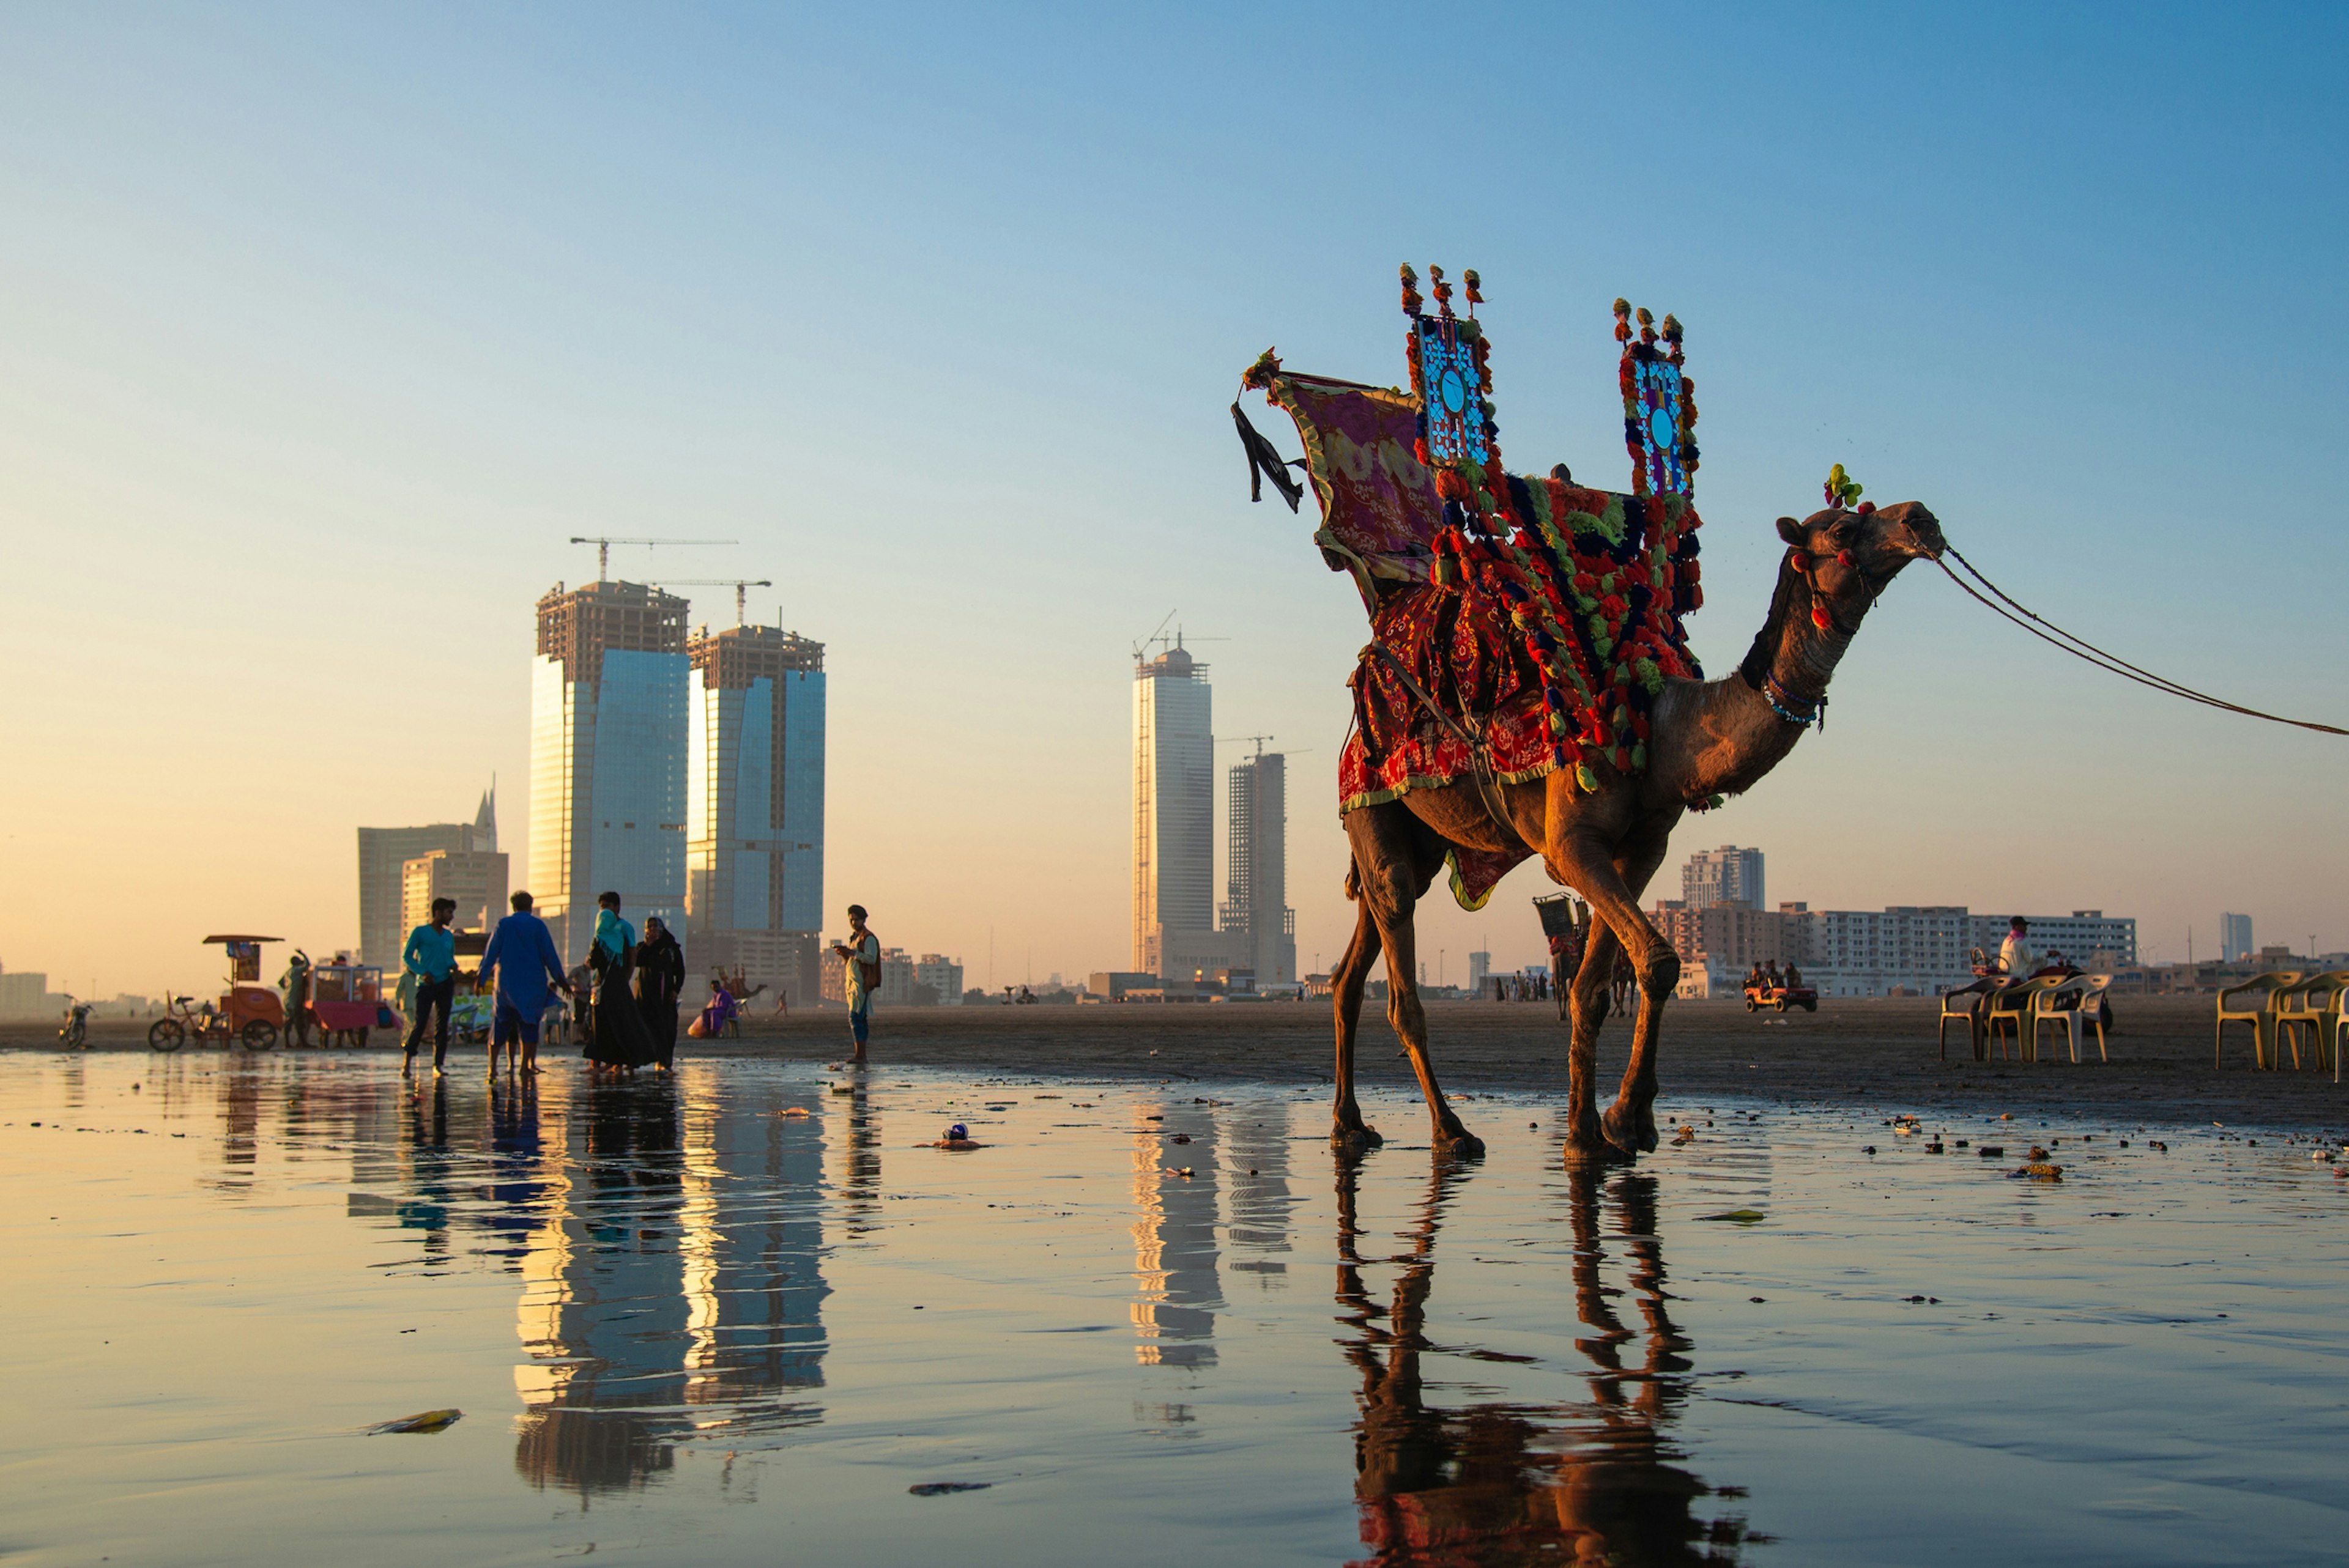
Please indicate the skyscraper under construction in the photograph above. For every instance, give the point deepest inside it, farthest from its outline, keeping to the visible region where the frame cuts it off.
(754, 842)
(607, 758)
(1255, 868)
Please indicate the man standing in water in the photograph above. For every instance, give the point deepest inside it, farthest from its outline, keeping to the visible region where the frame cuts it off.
(522, 950)
(861, 954)
(431, 956)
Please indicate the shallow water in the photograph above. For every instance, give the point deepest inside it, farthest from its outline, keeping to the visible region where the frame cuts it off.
(684, 1327)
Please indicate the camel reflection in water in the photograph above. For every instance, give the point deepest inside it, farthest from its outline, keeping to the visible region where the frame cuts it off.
(1508, 1483)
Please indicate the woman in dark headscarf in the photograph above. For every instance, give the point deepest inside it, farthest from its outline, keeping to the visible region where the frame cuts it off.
(615, 1034)
(660, 976)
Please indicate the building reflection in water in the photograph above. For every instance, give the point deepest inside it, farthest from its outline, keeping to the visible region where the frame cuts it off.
(676, 1292)
(1176, 1291)
(1591, 1481)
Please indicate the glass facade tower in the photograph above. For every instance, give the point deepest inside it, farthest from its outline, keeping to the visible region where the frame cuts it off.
(1173, 805)
(608, 745)
(754, 851)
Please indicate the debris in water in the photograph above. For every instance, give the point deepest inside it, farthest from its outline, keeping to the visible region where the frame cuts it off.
(1991, 1150)
(1686, 1135)
(1180, 1137)
(2038, 1171)
(427, 1421)
(941, 1488)
(1738, 1216)
(793, 1110)
(2156, 1143)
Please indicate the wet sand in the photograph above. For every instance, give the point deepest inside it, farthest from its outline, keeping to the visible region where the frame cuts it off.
(1879, 1049)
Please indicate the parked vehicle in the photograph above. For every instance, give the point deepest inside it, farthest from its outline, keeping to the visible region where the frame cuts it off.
(248, 1012)
(1781, 998)
(75, 1030)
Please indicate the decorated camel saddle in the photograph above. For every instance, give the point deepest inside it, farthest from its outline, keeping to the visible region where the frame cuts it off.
(1519, 624)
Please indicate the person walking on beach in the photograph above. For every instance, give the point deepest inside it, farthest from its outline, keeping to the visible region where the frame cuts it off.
(522, 951)
(660, 977)
(430, 957)
(861, 954)
(297, 982)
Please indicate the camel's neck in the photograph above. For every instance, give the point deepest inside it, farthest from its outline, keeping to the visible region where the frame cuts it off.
(1718, 738)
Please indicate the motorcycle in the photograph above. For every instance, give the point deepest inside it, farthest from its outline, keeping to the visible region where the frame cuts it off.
(75, 1031)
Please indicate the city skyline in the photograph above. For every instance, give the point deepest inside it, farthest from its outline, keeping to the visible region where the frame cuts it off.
(268, 349)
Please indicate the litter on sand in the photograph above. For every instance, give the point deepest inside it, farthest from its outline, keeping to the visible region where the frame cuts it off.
(941, 1488)
(426, 1421)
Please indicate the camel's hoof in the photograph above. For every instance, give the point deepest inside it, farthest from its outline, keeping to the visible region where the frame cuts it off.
(1355, 1138)
(1634, 1133)
(1459, 1144)
(1587, 1153)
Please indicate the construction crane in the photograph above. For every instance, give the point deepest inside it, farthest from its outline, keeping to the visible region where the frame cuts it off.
(741, 586)
(1156, 636)
(604, 547)
(1259, 740)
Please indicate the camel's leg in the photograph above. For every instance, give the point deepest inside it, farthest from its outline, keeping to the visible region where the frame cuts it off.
(1591, 996)
(1394, 862)
(1610, 884)
(1348, 1130)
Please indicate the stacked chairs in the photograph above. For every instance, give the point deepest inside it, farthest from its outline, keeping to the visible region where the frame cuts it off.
(2260, 1012)
(2314, 1005)
(2074, 1006)
(2012, 1004)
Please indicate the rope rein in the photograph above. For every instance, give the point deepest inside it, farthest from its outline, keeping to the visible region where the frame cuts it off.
(2081, 648)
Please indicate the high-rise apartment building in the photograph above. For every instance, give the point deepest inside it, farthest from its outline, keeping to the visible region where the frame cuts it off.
(476, 879)
(1255, 861)
(384, 854)
(754, 840)
(607, 758)
(2235, 937)
(1722, 875)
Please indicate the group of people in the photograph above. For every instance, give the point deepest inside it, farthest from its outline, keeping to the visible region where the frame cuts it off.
(624, 1001)
(625, 1006)
(1770, 977)
(1532, 987)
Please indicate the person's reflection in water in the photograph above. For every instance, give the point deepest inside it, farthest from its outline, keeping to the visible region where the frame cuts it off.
(859, 1180)
(431, 1171)
(1503, 1484)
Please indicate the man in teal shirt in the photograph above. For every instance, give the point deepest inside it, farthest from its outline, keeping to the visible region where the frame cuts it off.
(431, 956)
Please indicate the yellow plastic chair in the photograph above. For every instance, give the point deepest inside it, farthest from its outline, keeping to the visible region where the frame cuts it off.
(2074, 1006)
(2011, 1002)
(2314, 1005)
(2261, 1016)
(1969, 1013)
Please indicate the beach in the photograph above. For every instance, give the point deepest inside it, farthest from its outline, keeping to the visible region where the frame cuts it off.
(1877, 1050)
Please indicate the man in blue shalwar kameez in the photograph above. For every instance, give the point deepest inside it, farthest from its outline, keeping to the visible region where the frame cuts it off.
(522, 951)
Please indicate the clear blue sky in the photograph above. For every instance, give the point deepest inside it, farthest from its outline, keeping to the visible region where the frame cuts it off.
(321, 329)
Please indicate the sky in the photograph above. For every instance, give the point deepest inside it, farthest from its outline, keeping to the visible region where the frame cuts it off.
(323, 328)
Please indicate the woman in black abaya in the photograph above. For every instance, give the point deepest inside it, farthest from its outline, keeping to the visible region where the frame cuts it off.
(660, 976)
(616, 1032)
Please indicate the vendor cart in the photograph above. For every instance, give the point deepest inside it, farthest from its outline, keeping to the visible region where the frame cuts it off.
(248, 1012)
(1781, 998)
(348, 1001)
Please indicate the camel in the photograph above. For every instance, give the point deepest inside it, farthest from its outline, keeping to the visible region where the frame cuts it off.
(1707, 739)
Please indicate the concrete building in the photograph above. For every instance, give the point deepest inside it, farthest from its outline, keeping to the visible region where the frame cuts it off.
(1919, 949)
(2234, 938)
(1480, 967)
(25, 994)
(608, 757)
(2079, 936)
(384, 854)
(941, 974)
(755, 783)
(1255, 878)
(476, 879)
(1174, 929)
(1719, 876)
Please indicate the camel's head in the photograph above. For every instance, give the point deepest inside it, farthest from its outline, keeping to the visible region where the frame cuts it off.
(1849, 556)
